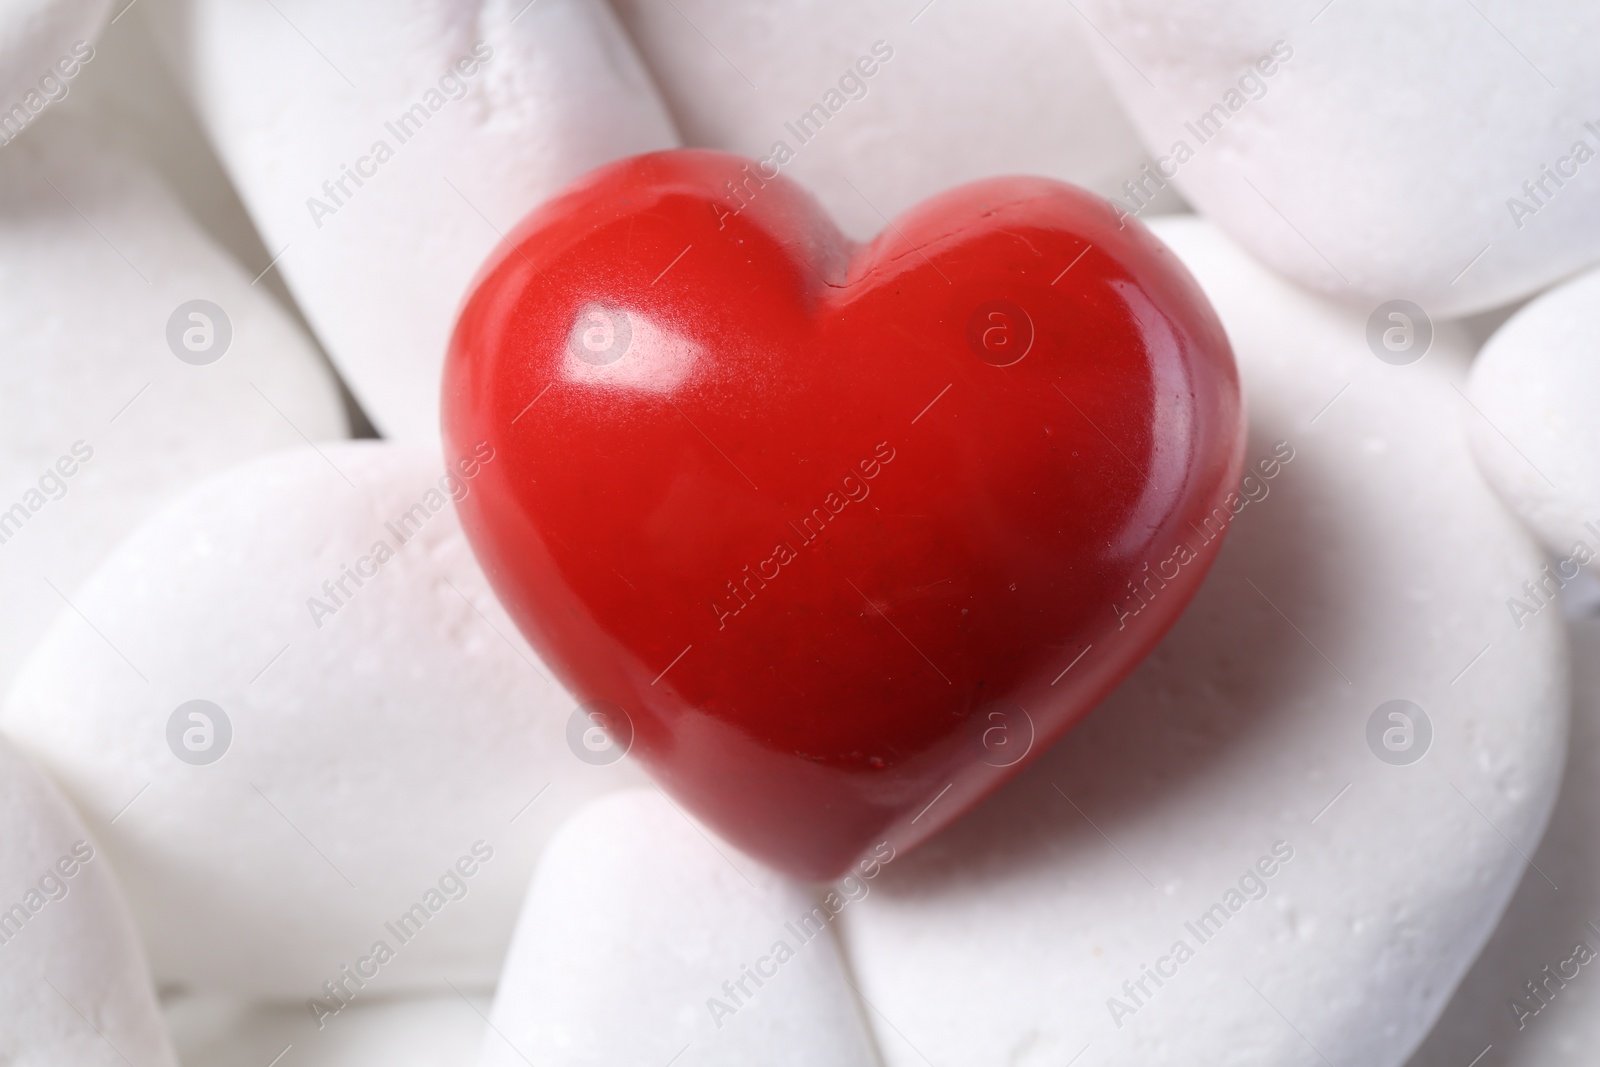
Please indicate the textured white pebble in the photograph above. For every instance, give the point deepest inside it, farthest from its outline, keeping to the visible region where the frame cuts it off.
(638, 942)
(44, 45)
(389, 741)
(1553, 922)
(440, 1030)
(456, 119)
(1235, 763)
(129, 97)
(1532, 423)
(957, 90)
(74, 986)
(1380, 151)
(99, 420)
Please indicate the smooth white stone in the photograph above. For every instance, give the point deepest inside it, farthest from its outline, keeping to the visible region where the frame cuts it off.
(70, 962)
(973, 89)
(635, 921)
(43, 47)
(381, 277)
(1375, 568)
(1556, 908)
(443, 1030)
(130, 98)
(1381, 160)
(85, 301)
(1532, 422)
(368, 754)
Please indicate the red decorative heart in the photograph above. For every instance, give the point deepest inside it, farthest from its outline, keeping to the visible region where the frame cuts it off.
(844, 531)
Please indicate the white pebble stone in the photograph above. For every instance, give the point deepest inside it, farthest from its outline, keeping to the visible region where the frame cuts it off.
(95, 261)
(129, 97)
(44, 45)
(637, 936)
(378, 737)
(1532, 422)
(1555, 910)
(958, 90)
(381, 262)
(442, 1030)
(1385, 154)
(1372, 567)
(74, 985)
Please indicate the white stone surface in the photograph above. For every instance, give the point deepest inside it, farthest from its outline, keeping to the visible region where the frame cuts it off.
(43, 47)
(1556, 909)
(95, 258)
(970, 89)
(370, 755)
(635, 936)
(1532, 423)
(1373, 567)
(1380, 160)
(129, 97)
(380, 267)
(74, 986)
(443, 1030)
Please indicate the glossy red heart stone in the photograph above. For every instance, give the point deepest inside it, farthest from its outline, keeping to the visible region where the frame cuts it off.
(845, 531)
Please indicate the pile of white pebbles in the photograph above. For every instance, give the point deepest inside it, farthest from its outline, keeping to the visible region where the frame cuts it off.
(1342, 816)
